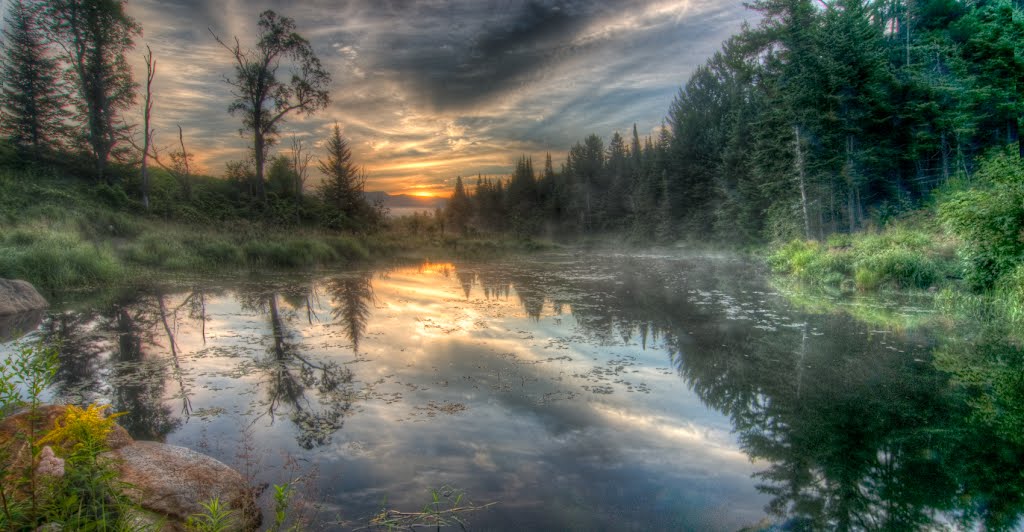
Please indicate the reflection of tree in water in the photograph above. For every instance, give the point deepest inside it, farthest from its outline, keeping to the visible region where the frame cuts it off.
(352, 296)
(122, 338)
(857, 435)
(82, 354)
(139, 379)
(291, 376)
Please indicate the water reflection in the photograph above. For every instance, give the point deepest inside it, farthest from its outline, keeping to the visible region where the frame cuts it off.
(860, 430)
(352, 296)
(290, 376)
(569, 385)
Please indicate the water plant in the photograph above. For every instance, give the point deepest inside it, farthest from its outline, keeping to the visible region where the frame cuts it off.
(446, 508)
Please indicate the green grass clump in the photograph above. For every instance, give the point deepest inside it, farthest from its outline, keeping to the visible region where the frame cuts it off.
(898, 257)
(896, 268)
(158, 251)
(214, 251)
(347, 248)
(55, 260)
(812, 262)
(289, 253)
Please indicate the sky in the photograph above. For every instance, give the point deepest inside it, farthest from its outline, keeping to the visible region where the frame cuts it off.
(425, 91)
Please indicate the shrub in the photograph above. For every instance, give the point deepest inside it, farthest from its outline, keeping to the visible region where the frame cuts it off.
(215, 252)
(989, 217)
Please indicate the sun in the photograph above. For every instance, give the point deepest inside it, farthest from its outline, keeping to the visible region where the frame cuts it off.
(423, 194)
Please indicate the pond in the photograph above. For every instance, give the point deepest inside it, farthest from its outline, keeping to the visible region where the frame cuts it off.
(574, 391)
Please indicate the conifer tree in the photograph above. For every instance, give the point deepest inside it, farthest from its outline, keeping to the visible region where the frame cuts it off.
(31, 97)
(342, 187)
(459, 209)
(94, 37)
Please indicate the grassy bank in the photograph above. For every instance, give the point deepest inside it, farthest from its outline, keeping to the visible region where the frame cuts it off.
(966, 246)
(66, 234)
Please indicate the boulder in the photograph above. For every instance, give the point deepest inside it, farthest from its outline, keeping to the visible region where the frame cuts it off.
(14, 326)
(20, 423)
(174, 482)
(19, 296)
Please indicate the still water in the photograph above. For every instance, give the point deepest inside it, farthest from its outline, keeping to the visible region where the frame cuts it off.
(573, 391)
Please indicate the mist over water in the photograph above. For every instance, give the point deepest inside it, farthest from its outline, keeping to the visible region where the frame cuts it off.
(575, 391)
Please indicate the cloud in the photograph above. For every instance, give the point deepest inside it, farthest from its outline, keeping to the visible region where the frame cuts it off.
(427, 90)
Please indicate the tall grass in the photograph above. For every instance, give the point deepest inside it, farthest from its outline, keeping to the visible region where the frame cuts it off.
(55, 260)
(898, 258)
(65, 234)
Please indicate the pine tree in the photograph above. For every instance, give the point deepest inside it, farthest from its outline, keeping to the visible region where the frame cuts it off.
(342, 187)
(521, 198)
(95, 36)
(459, 209)
(31, 97)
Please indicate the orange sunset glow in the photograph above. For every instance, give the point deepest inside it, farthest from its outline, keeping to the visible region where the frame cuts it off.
(437, 90)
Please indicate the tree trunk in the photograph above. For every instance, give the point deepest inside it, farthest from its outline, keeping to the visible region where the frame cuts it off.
(799, 162)
(1014, 134)
(851, 185)
(906, 20)
(261, 192)
(146, 133)
(945, 158)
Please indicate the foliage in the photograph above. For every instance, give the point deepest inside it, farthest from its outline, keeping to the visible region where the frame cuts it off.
(55, 259)
(82, 430)
(823, 118)
(216, 518)
(342, 188)
(896, 258)
(94, 37)
(989, 218)
(31, 94)
(24, 375)
(261, 98)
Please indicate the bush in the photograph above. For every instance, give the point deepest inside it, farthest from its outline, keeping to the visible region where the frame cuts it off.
(215, 252)
(989, 217)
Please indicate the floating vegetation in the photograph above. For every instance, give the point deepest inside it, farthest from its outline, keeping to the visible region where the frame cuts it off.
(448, 508)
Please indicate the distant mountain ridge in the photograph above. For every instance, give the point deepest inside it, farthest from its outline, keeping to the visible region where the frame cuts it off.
(405, 201)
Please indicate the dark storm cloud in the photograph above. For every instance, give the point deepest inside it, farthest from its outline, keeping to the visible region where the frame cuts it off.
(429, 89)
(494, 49)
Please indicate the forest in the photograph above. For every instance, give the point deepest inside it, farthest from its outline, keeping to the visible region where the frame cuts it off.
(69, 100)
(819, 121)
(825, 117)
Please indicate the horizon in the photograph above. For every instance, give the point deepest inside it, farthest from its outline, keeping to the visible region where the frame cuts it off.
(422, 100)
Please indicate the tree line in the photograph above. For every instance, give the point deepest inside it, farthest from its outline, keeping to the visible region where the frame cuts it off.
(67, 91)
(825, 117)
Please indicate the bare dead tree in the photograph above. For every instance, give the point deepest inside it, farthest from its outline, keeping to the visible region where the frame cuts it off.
(147, 133)
(301, 158)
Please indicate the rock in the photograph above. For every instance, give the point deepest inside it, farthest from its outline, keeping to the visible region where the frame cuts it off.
(17, 451)
(14, 326)
(19, 296)
(174, 481)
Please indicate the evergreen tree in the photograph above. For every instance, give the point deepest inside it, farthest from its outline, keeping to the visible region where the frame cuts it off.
(95, 36)
(342, 187)
(521, 198)
(459, 210)
(31, 97)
